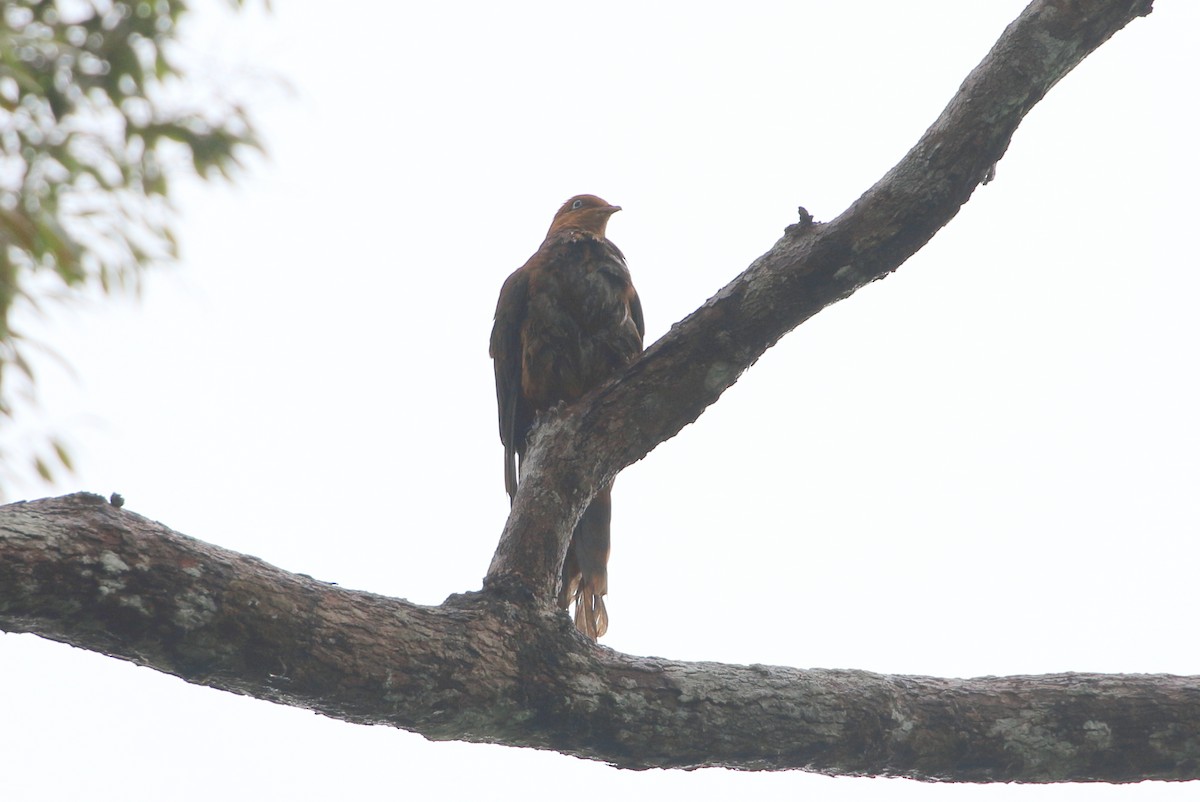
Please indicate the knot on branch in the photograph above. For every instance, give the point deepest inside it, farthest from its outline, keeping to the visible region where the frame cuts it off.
(805, 223)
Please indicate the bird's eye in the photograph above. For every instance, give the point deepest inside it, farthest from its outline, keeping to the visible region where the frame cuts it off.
(577, 204)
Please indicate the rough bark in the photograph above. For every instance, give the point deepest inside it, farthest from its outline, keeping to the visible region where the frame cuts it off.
(486, 667)
(503, 666)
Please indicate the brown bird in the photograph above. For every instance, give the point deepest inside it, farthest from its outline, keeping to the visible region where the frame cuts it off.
(566, 321)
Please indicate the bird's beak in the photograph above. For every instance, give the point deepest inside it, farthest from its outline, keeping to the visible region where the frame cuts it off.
(614, 209)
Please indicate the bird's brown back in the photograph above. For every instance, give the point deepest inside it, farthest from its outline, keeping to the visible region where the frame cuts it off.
(566, 321)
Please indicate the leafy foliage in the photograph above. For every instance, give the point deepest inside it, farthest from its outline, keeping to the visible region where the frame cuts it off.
(94, 121)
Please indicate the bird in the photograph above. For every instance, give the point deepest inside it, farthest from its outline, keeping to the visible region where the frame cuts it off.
(566, 322)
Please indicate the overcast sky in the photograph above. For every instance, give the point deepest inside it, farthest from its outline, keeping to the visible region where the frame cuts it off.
(986, 464)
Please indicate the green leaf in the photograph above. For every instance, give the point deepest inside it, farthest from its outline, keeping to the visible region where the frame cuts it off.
(43, 470)
(95, 147)
(64, 456)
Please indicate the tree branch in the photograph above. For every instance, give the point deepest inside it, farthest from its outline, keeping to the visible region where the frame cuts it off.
(503, 666)
(811, 267)
(483, 667)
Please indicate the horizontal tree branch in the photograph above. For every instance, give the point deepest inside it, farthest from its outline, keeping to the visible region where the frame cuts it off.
(489, 668)
(811, 267)
(503, 666)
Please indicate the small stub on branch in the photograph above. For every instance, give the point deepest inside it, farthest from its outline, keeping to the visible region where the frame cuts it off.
(805, 223)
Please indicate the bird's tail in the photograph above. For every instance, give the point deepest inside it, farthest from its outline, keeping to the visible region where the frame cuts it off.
(585, 571)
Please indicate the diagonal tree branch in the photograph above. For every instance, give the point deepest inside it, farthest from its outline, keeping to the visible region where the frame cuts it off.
(485, 667)
(811, 267)
(503, 666)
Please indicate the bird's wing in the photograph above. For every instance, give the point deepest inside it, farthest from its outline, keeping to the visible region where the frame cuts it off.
(635, 311)
(505, 349)
(635, 303)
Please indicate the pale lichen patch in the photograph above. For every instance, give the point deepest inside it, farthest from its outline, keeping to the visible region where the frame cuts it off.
(111, 567)
(720, 375)
(134, 602)
(1098, 734)
(904, 726)
(1028, 736)
(109, 586)
(845, 273)
(113, 564)
(194, 610)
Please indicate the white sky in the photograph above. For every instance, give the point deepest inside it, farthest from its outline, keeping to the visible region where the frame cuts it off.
(986, 464)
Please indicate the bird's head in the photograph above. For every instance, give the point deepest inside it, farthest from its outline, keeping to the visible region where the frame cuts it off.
(583, 213)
